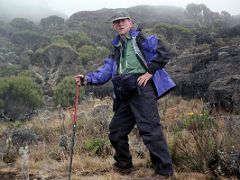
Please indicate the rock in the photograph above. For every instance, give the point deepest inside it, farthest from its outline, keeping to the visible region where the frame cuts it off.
(214, 76)
(225, 92)
(222, 55)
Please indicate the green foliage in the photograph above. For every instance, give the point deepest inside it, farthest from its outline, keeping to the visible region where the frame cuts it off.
(102, 52)
(91, 53)
(59, 40)
(174, 34)
(64, 93)
(30, 39)
(87, 53)
(194, 122)
(23, 24)
(97, 146)
(51, 21)
(42, 50)
(32, 75)
(5, 43)
(9, 70)
(20, 89)
(77, 39)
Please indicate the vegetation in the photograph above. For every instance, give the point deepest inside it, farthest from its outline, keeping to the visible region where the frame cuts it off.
(64, 93)
(5, 43)
(21, 89)
(177, 35)
(200, 141)
(22, 24)
(77, 39)
(9, 70)
(29, 40)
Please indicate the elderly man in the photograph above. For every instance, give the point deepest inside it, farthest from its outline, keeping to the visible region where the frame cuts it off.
(135, 66)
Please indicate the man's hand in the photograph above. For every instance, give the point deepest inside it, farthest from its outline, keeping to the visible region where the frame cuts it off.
(143, 79)
(80, 80)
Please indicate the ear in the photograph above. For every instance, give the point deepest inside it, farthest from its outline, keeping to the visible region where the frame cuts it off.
(113, 26)
(131, 23)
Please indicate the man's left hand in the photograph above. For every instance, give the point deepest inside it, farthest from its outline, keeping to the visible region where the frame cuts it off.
(143, 79)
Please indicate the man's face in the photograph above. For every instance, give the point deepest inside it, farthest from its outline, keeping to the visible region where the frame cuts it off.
(122, 26)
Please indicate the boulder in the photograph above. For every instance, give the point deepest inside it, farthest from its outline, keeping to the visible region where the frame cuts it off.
(213, 76)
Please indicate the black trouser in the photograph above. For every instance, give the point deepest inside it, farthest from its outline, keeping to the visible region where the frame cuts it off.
(141, 109)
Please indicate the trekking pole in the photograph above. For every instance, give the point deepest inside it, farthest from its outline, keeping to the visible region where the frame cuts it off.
(74, 130)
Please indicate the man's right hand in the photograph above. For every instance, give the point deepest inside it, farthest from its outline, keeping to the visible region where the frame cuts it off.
(80, 80)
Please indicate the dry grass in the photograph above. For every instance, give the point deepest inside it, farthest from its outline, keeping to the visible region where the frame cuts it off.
(49, 161)
(172, 108)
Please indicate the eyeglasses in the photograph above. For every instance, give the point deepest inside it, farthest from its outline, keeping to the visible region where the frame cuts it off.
(120, 20)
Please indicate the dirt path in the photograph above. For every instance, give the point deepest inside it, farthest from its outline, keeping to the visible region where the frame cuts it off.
(105, 174)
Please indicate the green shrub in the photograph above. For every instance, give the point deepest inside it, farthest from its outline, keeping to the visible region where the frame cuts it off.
(9, 70)
(97, 146)
(21, 89)
(77, 39)
(59, 40)
(87, 53)
(64, 93)
(5, 43)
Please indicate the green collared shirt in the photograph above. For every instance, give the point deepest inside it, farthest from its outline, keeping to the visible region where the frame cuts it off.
(129, 63)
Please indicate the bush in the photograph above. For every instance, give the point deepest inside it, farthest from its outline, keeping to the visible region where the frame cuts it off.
(19, 95)
(64, 93)
(98, 146)
(195, 143)
(9, 70)
(87, 53)
(77, 39)
(29, 40)
(22, 89)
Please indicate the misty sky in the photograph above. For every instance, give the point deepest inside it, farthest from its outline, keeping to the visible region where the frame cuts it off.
(71, 6)
(68, 7)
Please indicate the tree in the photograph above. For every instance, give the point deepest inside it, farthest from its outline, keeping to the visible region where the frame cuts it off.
(52, 25)
(87, 53)
(77, 39)
(22, 24)
(51, 22)
(200, 13)
(29, 40)
(19, 96)
(9, 70)
(175, 34)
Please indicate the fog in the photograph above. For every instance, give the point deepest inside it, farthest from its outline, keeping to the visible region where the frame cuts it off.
(37, 9)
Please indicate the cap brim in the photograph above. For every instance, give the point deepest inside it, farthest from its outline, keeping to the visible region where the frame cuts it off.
(123, 17)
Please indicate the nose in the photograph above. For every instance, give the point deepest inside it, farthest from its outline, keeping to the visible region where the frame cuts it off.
(121, 21)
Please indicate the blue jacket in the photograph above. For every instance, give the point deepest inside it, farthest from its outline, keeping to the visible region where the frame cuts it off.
(149, 50)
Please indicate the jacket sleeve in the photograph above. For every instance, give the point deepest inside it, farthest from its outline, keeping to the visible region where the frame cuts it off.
(160, 54)
(102, 75)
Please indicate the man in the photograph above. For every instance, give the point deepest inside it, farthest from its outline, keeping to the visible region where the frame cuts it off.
(135, 66)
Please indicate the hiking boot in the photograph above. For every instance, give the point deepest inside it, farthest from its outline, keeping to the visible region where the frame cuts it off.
(117, 169)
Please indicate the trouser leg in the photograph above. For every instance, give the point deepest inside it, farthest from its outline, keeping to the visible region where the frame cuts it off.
(144, 108)
(121, 125)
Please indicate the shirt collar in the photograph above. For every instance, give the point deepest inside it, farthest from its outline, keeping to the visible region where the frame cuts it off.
(132, 33)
